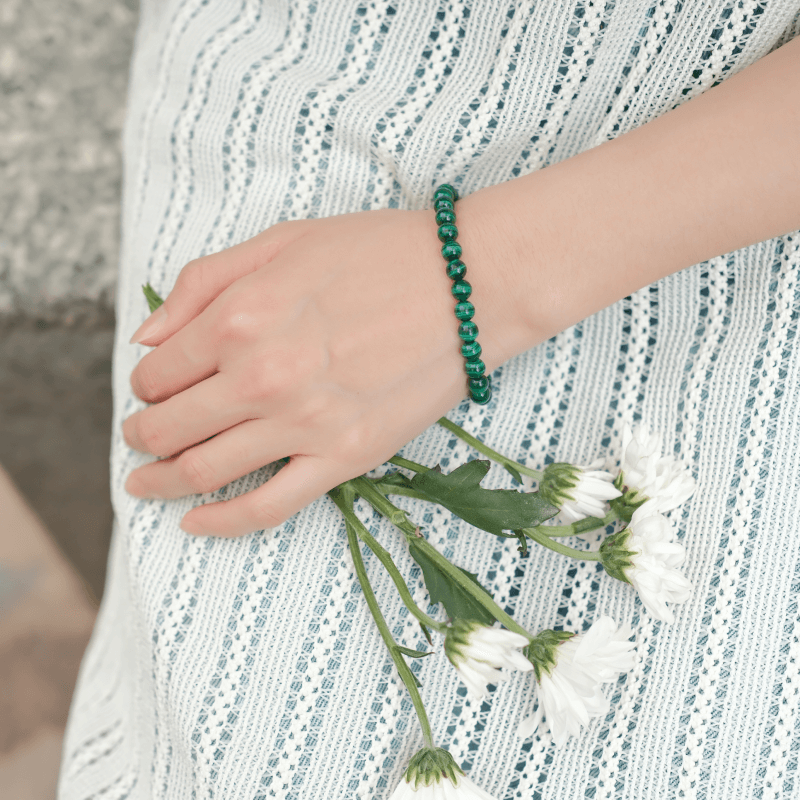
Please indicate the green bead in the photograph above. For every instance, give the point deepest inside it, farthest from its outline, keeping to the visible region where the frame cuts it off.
(468, 331)
(470, 350)
(478, 385)
(448, 233)
(443, 204)
(451, 250)
(461, 290)
(448, 187)
(484, 398)
(456, 270)
(445, 217)
(474, 367)
(443, 194)
(465, 310)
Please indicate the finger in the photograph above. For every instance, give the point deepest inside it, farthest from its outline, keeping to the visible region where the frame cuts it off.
(185, 359)
(186, 418)
(215, 463)
(300, 482)
(201, 280)
(233, 323)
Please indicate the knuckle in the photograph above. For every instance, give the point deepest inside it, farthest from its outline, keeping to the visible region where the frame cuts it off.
(355, 443)
(193, 276)
(286, 231)
(196, 473)
(343, 348)
(145, 382)
(315, 413)
(237, 324)
(280, 373)
(286, 226)
(151, 436)
(258, 383)
(264, 513)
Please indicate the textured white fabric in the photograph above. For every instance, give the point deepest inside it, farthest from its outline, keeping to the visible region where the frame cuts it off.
(250, 668)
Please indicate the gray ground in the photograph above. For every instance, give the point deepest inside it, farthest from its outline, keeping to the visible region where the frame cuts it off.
(55, 421)
(63, 78)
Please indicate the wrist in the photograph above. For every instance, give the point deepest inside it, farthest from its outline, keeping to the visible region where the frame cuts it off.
(500, 279)
(561, 243)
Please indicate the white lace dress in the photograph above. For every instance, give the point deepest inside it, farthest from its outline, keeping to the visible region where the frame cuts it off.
(250, 668)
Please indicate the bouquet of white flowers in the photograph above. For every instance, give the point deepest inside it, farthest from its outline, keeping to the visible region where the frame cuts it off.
(480, 638)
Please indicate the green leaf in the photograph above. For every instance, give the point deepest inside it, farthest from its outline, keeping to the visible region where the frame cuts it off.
(396, 479)
(413, 653)
(492, 510)
(457, 603)
(427, 633)
(514, 473)
(153, 299)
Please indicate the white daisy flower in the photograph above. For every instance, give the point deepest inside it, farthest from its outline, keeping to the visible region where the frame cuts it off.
(570, 670)
(646, 554)
(432, 774)
(578, 492)
(646, 474)
(479, 652)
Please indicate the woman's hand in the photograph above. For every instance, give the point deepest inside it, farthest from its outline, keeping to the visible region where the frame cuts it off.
(331, 341)
(334, 342)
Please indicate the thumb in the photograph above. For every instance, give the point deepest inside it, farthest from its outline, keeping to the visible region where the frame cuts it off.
(203, 279)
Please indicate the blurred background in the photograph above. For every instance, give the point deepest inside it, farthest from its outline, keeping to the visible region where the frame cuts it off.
(63, 81)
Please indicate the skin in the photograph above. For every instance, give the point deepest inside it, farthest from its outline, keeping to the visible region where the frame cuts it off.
(340, 363)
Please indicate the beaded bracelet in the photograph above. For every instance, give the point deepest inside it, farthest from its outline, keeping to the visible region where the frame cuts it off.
(444, 200)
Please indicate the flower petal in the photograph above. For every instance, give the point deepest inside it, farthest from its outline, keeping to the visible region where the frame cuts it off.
(570, 692)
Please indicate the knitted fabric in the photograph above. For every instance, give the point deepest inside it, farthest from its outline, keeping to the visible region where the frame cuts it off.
(251, 668)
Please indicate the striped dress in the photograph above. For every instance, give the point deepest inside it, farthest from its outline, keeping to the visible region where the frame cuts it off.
(250, 668)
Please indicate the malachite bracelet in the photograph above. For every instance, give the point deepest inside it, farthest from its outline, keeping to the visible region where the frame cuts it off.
(444, 203)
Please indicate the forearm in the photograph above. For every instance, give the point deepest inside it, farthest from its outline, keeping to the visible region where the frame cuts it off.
(718, 173)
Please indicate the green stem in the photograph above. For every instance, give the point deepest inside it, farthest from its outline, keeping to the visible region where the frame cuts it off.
(406, 675)
(400, 520)
(509, 463)
(378, 501)
(581, 526)
(399, 461)
(386, 559)
(556, 531)
(546, 541)
(469, 586)
(385, 489)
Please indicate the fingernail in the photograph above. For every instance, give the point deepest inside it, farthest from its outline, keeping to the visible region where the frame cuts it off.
(191, 527)
(132, 488)
(150, 326)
